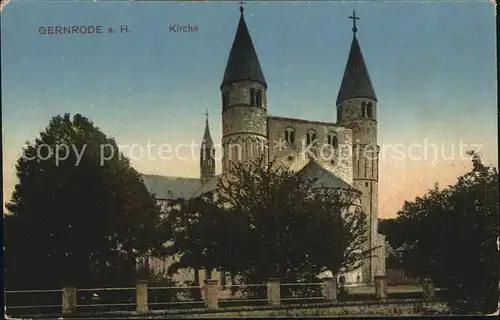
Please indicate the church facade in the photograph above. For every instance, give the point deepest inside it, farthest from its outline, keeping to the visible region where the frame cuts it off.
(341, 154)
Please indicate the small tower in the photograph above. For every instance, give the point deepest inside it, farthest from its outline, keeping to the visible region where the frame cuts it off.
(244, 102)
(357, 109)
(207, 154)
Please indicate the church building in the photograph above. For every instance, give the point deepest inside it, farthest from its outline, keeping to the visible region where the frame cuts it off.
(339, 154)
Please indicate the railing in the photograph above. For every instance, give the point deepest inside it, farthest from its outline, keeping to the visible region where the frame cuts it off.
(143, 298)
(175, 296)
(103, 299)
(242, 295)
(34, 301)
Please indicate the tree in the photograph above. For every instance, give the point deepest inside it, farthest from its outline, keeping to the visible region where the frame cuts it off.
(299, 230)
(451, 234)
(267, 222)
(80, 213)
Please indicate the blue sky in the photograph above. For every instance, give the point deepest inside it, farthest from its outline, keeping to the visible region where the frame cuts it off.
(432, 65)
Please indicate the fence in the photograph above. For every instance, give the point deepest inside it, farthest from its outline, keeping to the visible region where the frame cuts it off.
(143, 298)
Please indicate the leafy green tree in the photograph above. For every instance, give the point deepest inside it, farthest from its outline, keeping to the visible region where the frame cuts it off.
(392, 229)
(80, 213)
(451, 235)
(191, 229)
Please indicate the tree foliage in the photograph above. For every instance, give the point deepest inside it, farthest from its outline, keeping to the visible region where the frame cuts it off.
(450, 235)
(77, 220)
(267, 222)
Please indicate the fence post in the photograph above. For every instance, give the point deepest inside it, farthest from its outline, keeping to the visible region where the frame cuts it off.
(428, 288)
(381, 287)
(274, 291)
(211, 289)
(68, 300)
(330, 288)
(141, 293)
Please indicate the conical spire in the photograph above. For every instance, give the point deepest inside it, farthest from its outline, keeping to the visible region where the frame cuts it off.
(356, 82)
(243, 63)
(207, 138)
(207, 154)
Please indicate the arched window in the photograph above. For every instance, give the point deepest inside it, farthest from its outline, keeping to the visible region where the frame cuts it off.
(333, 140)
(311, 136)
(369, 110)
(290, 135)
(363, 109)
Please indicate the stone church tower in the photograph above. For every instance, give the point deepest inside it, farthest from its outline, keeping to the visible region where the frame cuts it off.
(357, 109)
(207, 155)
(244, 102)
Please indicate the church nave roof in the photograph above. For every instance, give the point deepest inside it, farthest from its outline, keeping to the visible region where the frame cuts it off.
(170, 188)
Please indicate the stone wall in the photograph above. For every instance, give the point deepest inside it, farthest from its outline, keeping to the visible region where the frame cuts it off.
(364, 129)
(338, 161)
(239, 92)
(244, 126)
(408, 307)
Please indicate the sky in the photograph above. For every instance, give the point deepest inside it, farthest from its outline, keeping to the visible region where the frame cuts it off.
(432, 66)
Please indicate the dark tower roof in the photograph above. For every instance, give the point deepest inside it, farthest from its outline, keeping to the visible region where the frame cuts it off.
(243, 63)
(356, 82)
(207, 138)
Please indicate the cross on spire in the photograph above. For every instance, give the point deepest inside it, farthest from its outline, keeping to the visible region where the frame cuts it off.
(354, 18)
(241, 2)
(206, 115)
